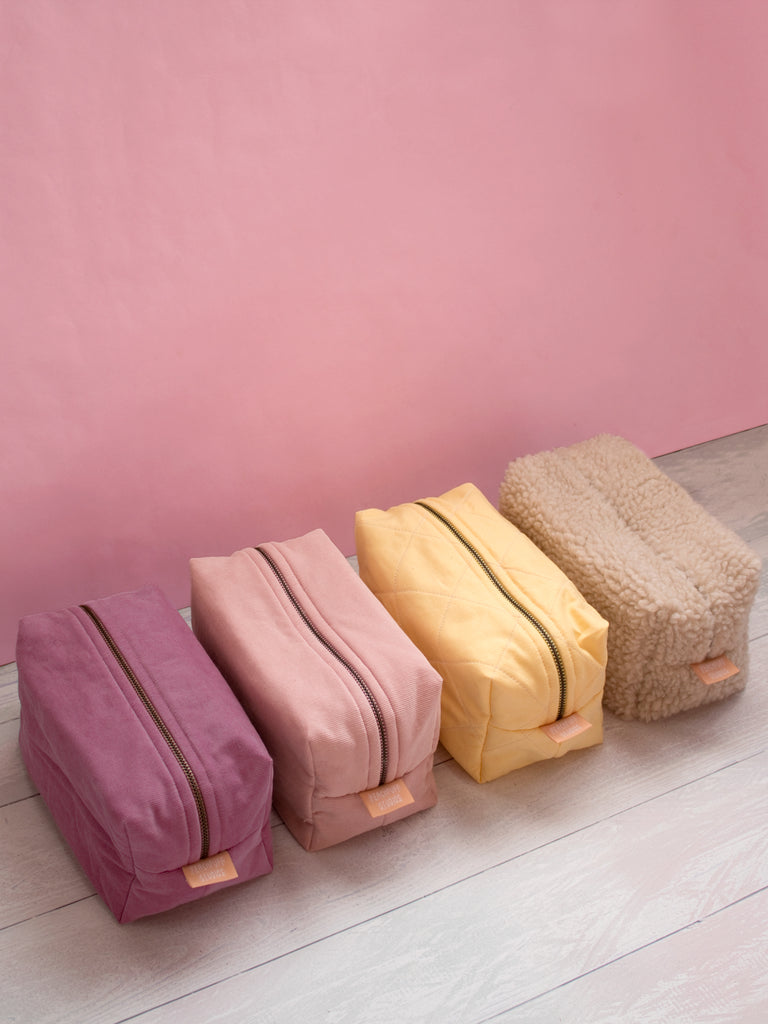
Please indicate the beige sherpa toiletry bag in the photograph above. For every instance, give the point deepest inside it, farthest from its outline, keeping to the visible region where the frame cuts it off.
(675, 584)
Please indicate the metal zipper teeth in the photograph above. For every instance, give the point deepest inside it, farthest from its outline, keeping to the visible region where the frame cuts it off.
(340, 658)
(544, 633)
(163, 729)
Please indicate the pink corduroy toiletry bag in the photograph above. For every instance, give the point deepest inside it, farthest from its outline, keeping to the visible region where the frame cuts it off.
(151, 769)
(348, 707)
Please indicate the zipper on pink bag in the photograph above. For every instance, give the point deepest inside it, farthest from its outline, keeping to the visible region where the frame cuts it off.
(326, 643)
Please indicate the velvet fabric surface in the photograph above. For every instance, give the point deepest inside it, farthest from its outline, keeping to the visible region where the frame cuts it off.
(146, 769)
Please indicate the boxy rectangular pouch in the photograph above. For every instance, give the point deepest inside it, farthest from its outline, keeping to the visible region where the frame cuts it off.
(521, 653)
(151, 769)
(348, 707)
(674, 582)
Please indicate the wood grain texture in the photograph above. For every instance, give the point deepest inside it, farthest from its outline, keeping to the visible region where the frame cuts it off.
(37, 865)
(9, 700)
(729, 478)
(714, 971)
(527, 925)
(15, 784)
(624, 882)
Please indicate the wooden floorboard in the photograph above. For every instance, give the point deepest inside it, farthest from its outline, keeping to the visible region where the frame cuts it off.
(626, 882)
(511, 938)
(714, 970)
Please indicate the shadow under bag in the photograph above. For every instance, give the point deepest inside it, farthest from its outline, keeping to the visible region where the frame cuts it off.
(521, 653)
(148, 764)
(348, 707)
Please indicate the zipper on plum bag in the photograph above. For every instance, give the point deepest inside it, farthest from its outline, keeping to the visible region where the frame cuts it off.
(162, 728)
(541, 629)
(340, 658)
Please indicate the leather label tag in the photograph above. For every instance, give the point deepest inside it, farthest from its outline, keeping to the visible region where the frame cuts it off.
(566, 728)
(387, 798)
(715, 670)
(218, 868)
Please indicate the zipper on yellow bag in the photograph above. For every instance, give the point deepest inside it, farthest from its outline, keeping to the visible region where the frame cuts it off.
(538, 626)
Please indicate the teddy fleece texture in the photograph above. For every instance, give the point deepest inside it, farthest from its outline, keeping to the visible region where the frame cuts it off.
(674, 583)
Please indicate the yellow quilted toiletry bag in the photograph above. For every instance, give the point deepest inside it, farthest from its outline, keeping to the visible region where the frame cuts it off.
(521, 653)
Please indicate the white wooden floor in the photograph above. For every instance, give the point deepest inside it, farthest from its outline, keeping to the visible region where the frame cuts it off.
(624, 883)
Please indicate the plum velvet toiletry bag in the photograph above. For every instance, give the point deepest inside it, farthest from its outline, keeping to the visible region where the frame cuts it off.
(521, 653)
(151, 769)
(346, 704)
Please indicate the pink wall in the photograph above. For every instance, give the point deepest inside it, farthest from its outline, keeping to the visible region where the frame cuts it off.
(264, 263)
